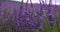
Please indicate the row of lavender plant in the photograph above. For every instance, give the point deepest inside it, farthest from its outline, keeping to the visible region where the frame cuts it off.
(24, 20)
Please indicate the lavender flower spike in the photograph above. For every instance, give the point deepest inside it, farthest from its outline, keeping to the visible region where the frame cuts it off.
(51, 19)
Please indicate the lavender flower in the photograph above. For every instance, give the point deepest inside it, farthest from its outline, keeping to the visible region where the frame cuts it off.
(52, 23)
(51, 19)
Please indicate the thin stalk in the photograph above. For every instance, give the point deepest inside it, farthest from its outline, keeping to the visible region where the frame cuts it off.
(31, 4)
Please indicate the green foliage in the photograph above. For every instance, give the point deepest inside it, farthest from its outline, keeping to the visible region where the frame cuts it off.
(37, 30)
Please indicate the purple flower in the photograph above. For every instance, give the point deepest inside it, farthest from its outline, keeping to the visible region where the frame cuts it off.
(51, 17)
(52, 23)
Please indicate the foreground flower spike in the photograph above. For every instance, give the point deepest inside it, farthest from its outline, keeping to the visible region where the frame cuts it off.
(50, 15)
(51, 19)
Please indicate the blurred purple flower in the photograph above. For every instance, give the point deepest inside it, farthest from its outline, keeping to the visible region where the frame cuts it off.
(52, 23)
(51, 19)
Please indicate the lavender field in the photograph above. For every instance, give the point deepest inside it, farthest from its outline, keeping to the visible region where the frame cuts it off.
(23, 17)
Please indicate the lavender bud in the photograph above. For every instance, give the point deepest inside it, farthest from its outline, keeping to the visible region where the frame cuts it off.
(52, 23)
(50, 17)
